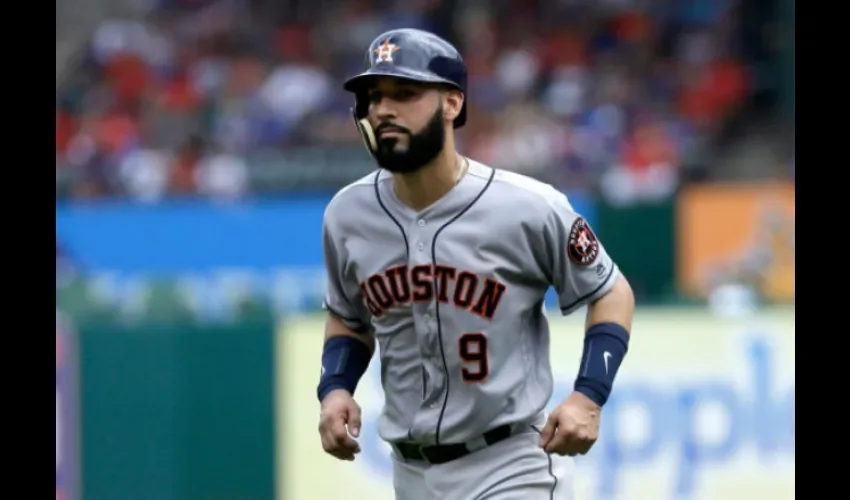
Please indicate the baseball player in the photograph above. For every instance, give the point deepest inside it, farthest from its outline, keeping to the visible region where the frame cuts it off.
(443, 263)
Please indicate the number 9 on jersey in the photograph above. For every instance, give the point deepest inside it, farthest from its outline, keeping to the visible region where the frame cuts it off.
(475, 365)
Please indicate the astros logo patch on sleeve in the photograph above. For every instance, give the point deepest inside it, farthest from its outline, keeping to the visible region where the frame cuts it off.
(583, 246)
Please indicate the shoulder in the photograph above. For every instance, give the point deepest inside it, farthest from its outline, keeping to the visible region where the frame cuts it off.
(518, 190)
(352, 196)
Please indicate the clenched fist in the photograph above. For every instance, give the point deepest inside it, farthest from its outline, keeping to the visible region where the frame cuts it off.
(339, 424)
(572, 427)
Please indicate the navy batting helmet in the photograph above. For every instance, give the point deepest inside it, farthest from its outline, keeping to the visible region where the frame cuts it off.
(409, 54)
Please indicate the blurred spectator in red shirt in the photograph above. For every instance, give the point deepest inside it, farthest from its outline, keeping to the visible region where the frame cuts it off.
(128, 75)
(117, 131)
(66, 127)
(647, 170)
(184, 167)
(711, 92)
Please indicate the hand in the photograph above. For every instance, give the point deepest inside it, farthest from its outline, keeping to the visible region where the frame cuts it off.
(572, 427)
(339, 424)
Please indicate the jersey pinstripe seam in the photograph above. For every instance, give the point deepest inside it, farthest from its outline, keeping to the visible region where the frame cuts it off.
(437, 302)
(551, 467)
(390, 215)
(554, 477)
(591, 294)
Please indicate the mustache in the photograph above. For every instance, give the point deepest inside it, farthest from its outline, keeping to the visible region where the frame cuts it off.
(390, 127)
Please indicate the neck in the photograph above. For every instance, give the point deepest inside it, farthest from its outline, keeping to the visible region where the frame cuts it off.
(422, 188)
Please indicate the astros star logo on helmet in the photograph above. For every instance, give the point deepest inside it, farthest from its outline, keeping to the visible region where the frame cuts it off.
(385, 51)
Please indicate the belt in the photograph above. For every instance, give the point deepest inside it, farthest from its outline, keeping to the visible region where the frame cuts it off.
(440, 454)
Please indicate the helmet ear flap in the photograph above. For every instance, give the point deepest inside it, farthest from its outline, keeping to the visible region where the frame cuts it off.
(361, 105)
(367, 133)
(360, 112)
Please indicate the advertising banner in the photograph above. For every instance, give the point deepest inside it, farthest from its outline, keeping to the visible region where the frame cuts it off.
(737, 233)
(67, 479)
(703, 409)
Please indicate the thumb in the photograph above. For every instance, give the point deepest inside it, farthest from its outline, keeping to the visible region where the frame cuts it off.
(354, 419)
(548, 430)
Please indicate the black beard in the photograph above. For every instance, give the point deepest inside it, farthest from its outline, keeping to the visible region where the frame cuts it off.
(422, 147)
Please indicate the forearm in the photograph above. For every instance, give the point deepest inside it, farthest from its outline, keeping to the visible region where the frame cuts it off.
(345, 358)
(606, 341)
(334, 327)
(617, 306)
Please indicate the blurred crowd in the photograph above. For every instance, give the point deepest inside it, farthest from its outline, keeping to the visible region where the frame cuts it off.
(201, 97)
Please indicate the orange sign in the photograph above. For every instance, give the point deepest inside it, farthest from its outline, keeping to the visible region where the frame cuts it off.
(737, 233)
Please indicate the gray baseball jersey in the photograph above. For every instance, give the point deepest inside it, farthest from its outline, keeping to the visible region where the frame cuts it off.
(454, 295)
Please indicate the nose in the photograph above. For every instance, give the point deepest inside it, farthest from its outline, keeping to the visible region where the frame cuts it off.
(383, 110)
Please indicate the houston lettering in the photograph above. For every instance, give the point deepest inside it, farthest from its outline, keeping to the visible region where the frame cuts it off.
(401, 285)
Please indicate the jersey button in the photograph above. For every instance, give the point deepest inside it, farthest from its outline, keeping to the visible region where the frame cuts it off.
(421, 222)
(421, 246)
(426, 317)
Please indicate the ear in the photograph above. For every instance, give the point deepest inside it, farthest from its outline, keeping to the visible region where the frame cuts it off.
(452, 104)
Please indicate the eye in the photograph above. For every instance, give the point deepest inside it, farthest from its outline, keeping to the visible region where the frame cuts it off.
(404, 94)
(374, 97)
